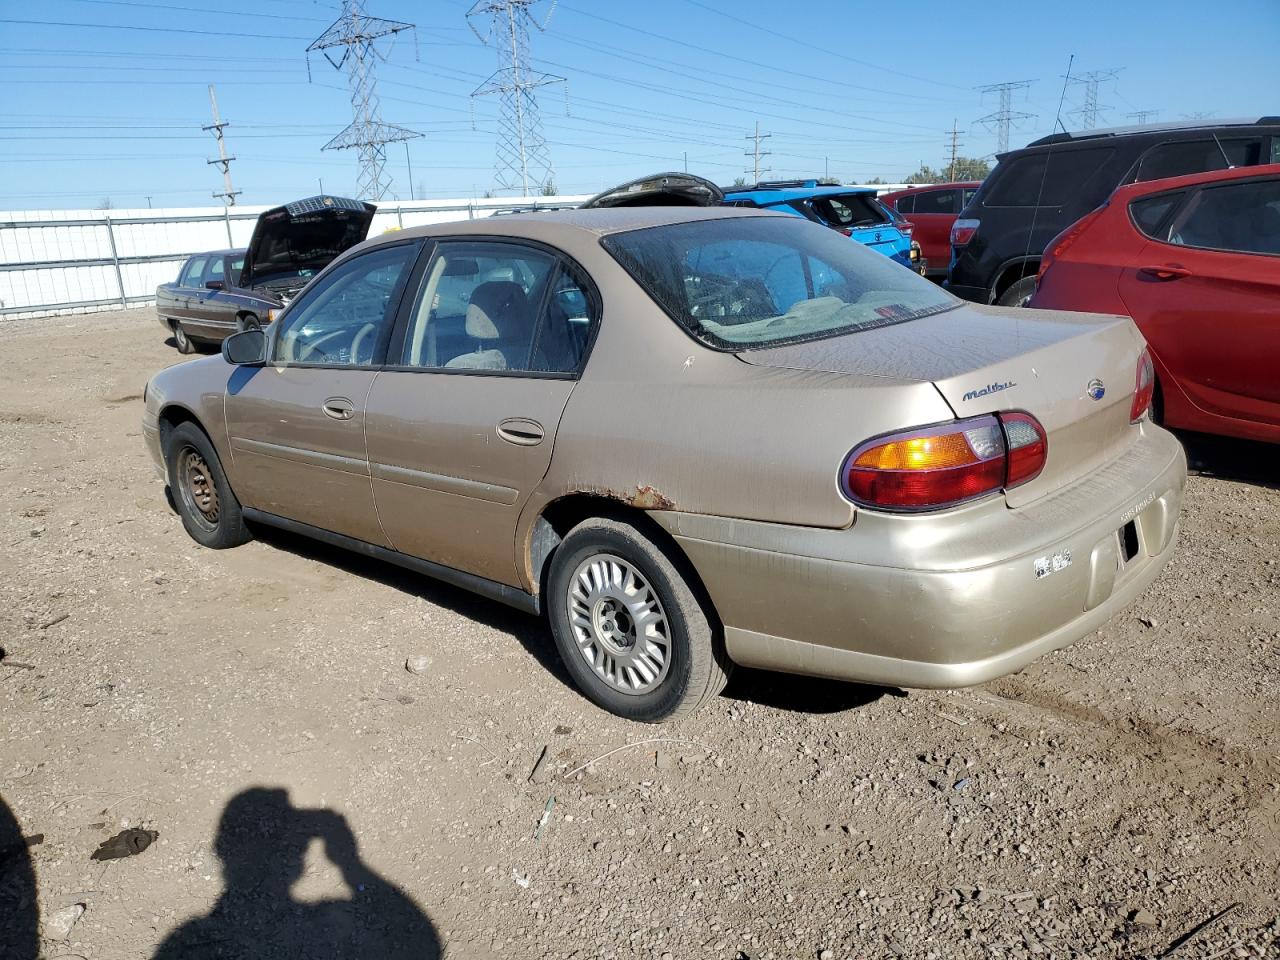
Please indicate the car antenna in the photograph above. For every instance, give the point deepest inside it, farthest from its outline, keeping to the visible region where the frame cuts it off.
(1222, 150)
(1044, 174)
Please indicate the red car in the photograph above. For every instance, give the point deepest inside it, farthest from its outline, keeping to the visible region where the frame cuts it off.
(932, 210)
(1195, 261)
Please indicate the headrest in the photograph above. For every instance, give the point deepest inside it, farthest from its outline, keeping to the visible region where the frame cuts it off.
(498, 309)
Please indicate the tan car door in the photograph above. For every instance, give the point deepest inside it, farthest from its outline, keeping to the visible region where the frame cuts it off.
(296, 425)
(460, 425)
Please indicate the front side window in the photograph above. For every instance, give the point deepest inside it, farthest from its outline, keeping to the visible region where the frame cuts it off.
(346, 315)
(479, 308)
(192, 272)
(753, 282)
(1241, 217)
(1198, 156)
(216, 271)
(938, 201)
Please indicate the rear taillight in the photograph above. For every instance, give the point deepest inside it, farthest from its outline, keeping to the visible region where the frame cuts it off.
(847, 231)
(1144, 387)
(942, 466)
(906, 226)
(1059, 244)
(962, 231)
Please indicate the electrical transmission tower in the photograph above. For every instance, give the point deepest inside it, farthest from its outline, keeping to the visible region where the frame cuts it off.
(1140, 117)
(1089, 110)
(955, 152)
(355, 35)
(521, 152)
(756, 153)
(229, 193)
(1004, 118)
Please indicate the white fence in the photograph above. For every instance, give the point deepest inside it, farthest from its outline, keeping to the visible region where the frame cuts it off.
(64, 261)
(71, 261)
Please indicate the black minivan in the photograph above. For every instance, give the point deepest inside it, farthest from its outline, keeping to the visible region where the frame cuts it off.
(1036, 192)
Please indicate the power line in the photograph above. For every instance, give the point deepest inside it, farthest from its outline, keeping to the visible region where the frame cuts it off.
(121, 26)
(756, 153)
(356, 35)
(1005, 117)
(229, 193)
(206, 11)
(1089, 110)
(521, 146)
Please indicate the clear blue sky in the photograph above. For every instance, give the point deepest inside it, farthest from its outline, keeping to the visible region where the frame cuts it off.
(109, 103)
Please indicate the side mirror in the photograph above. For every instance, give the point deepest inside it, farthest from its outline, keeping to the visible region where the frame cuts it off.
(214, 284)
(246, 347)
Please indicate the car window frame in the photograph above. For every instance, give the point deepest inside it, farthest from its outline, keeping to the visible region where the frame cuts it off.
(560, 260)
(182, 274)
(1193, 194)
(380, 347)
(205, 277)
(1166, 220)
(1135, 172)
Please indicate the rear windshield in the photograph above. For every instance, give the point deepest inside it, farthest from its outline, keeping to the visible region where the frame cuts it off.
(760, 281)
(847, 210)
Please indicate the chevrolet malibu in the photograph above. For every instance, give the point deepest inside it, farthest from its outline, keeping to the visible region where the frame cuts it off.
(692, 438)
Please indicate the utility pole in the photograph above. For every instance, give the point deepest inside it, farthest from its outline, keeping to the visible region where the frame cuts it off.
(354, 35)
(955, 150)
(1004, 118)
(1140, 117)
(521, 155)
(1089, 110)
(229, 192)
(756, 153)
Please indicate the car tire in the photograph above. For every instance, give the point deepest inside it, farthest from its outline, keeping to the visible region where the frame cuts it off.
(250, 322)
(1018, 294)
(209, 509)
(611, 589)
(180, 337)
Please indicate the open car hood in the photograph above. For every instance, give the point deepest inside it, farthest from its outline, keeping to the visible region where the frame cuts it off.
(660, 190)
(305, 235)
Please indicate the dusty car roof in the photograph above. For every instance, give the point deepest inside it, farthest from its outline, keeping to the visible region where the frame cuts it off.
(599, 222)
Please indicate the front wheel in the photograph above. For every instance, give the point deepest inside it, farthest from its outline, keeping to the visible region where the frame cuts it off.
(631, 631)
(1018, 294)
(209, 509)
(180, 337)
(250, 322)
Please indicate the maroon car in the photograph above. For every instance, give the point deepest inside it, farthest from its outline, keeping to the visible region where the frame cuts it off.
(933, 210)
(1195, 261)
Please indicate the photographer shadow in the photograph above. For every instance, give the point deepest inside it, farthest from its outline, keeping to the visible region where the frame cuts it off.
(262, 842)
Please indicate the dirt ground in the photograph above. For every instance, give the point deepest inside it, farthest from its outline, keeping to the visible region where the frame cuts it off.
(313, 798)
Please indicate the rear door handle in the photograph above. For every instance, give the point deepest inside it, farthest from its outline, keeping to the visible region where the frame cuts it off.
(521, 431)
(339, 408)
(1166, 271)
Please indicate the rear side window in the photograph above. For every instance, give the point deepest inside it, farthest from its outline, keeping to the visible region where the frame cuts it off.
(1150, 213)
(905, 204)
(1062, 173)
(1198, 156)
(938, 201)
(216, 270)
(1241, 217)
(848, 210)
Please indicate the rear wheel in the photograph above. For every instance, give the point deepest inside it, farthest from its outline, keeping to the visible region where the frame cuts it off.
(632, 632)
(180, 337)
(209, 509)
(1018, 294)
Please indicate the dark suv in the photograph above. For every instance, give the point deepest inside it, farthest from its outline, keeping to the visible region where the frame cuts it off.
(1036, 192)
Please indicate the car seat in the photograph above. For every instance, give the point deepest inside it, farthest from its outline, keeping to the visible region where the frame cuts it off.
(500, 319)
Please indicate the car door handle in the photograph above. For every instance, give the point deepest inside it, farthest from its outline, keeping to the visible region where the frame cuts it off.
(521, 431)
(339, 408)
(1167, 271)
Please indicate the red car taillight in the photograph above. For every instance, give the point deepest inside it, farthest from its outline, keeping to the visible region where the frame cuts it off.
(942, 466)
(1144, 387)
(962, 231)
(1059, 244)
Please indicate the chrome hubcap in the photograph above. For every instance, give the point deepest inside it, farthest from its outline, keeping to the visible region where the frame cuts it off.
(619, 625)
(198, 489)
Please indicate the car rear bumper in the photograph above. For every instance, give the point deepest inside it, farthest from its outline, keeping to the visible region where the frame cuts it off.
(948, 600)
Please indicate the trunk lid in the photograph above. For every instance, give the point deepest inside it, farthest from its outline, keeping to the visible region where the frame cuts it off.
(300, 239)
(985, 359)
(883, 237)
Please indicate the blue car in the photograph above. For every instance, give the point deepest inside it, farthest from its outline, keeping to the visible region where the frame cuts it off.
(851, 210)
